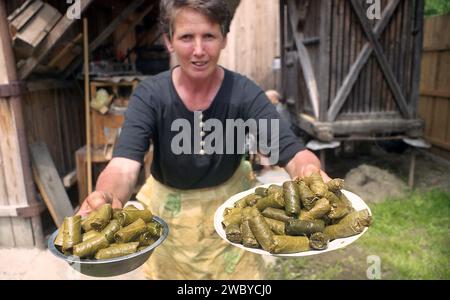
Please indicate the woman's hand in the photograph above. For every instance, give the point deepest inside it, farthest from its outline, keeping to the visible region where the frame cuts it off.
(304, 163)
(307, 170)
(97, 199)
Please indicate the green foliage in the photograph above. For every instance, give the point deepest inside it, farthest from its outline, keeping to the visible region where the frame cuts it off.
(437, 7)
(411, 236)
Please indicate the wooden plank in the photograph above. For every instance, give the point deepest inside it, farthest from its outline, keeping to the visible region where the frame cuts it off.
(435, 93)
(19, 10)
(418, 43)
(13, 148)
(425, 112)
(324, 57)
(49, 183)
(49, 42)
(305, 62)
(440, 116)
(27, 40)
(385, 66)
(23, 15)
(106, 33)
(131, 27)
(359, 63)
(443, 72)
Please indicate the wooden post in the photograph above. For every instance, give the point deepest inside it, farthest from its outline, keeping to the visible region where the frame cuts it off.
(86, 106)
(16, 182)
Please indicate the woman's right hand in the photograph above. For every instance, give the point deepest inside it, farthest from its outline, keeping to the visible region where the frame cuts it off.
(97, 199)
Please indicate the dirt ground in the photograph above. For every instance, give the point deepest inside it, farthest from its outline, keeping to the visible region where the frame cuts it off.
(370, 171)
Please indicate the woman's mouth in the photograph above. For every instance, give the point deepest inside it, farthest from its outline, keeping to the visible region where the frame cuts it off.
(199, 64)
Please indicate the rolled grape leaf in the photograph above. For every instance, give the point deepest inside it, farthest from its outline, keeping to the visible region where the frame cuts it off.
(131, 232)
(291, 198)
(343, 230)
(260, 191)
(117, 250)
(232, 216)
(111, 229)
(248, 239)
(59, 237)
(335, 185)
(130, 207)
(318, 241)
(127, 217)
(233, 233)
(102, 217)
(90, 247)
(290, 244)
(154, 228)
(320, 209)
(340, 205)
(86, 224)
(147, 239)
(316, 184)
(362, 216)
(261, 230)
(273, 188)
(276, 214)
(276, 226)
(90, 234)
(302, 227)
(248, 200)
(71, 233)
(307, 197)
(275, 200)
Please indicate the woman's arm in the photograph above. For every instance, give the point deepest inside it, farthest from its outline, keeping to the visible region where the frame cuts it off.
(114, 185)
(303, 164)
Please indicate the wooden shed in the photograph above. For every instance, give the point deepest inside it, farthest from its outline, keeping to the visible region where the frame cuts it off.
(43, 112)
(347, 76)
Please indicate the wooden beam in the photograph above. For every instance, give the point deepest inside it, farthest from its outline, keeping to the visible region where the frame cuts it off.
(16, 183)
(50, 184)
(417, 56)
(361, 60)
(384, 64)
(305, 61)
(49, 42)
(105, 33)
(135, 22)
(324, 56)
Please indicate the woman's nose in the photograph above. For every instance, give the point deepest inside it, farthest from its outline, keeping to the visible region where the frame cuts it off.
(198, 48)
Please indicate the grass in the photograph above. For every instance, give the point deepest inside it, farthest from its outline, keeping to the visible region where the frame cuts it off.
(411, 236)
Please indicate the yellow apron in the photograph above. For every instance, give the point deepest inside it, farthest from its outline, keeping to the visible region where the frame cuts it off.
(193, 250)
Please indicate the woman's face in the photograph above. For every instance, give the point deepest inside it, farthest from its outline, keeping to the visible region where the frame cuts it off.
(196, 42)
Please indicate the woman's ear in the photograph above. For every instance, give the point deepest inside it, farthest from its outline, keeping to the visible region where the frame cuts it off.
(168, 43)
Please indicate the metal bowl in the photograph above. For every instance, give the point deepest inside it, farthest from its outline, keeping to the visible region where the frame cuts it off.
(113, 266)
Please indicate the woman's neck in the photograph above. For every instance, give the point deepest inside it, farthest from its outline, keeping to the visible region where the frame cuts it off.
(197, 94)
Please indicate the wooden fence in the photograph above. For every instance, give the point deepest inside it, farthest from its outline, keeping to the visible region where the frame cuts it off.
(434, 105)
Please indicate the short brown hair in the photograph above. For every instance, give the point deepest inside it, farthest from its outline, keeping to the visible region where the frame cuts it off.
(216, 10)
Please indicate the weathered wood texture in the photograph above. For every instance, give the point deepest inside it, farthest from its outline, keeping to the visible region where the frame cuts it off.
(434, 104)
(16, 187)
(253, 42)
(50, 184)
(363, 69)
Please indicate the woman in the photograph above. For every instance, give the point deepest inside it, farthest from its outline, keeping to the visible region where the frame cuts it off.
(186, 188)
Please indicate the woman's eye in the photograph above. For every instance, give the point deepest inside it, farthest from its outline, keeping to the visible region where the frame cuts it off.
(186, 38)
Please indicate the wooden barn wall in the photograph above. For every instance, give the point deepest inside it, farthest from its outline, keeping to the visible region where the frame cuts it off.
(253, 42)
(56, 117)
(434, 104)
(371, 92)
